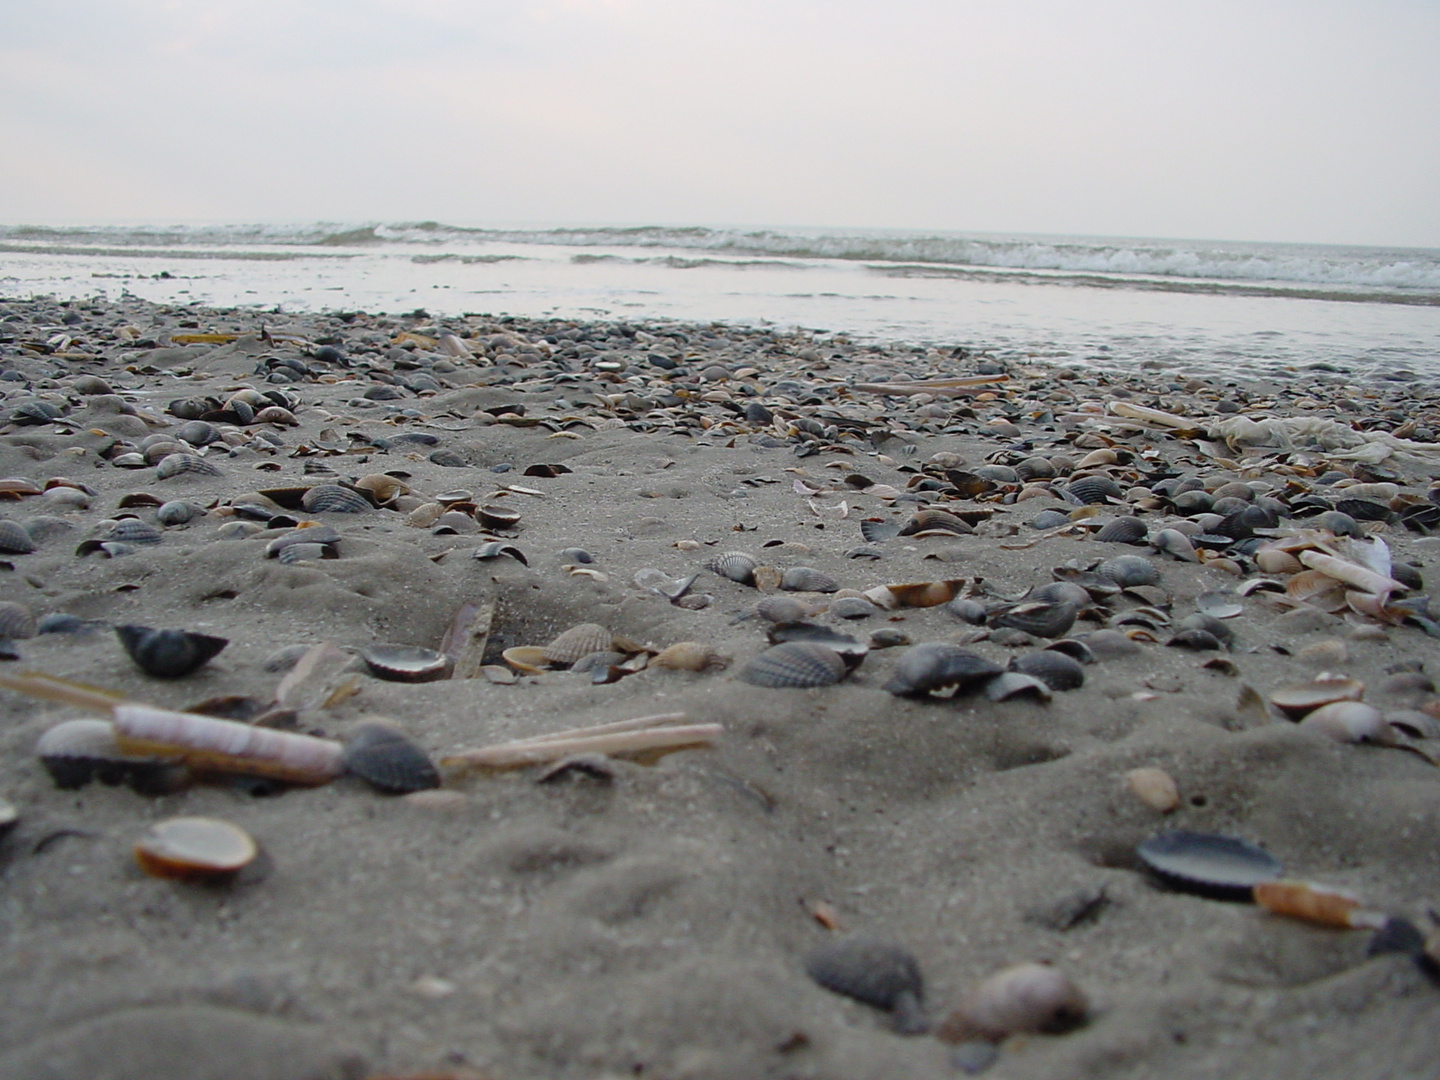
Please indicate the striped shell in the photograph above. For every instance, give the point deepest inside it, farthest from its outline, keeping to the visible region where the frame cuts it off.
(133, 531)
(1124, 530)
(578, 641)
(1090, 490)
(388, 759)
(1128, 571)
(927, 522)
(735, 565)
(781, 609)
(14, 540)
(184, 465)
(333, 499)
(808, 579)
(197, 433)
(795, 664)
(16, 621)
(168, 654)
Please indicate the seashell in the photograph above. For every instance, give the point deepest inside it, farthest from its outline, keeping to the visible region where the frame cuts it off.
(1056, 592)
(968, 610)
(133, 531)
(1055, 669)
(938, 665)
(794, 665)
(735, 565)
(935, 522)
(1154, 787)
(194, 849)
(226, 746)
(387, 759)
(130, 460)
(197, 433)
(1074, 648)
(494, 549)
(405, 663)
(1219, 604)
(1200, 620)
(494, 516)
(782, 609)
(14, 540)
(922, 594)
(382, 487)
(1364, 510)
(1129, 571)
(317, 534)
(576, 555)
(853, 607)
(1009, 684)
(457, 495)
(1035, 468)
(1049, 519)
(689, 656)
(877, 532)
(1349, 722)
(1048, 619)
(184, 465)
(808, 579)
(1027, 998)
(334, 499)
(275, 414)
(1174, 542)
(177, 512)
(767, 578)
(576, 642)
(298, 553)
(851, 651)
(1124, 530)
(1110, 644)
(1208, 864)
(875, 973)
(1195, 638)
(76, 752)
(16, 621)
(1091, 490)
(1294, 702)
(1316, 904)
(168, 654)
(1096, 585)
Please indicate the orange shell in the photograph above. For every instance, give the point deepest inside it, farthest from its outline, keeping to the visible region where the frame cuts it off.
(1312, 903)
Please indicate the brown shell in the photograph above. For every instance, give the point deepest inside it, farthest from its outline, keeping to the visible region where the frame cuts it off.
(382, 487)
(578, 641)
(194, 849)
(1314, 903)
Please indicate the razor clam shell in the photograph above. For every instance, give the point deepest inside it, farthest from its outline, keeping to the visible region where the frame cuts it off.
(334, 499)
(578, 641)
(1208, 863)
(168, 654)
(405, 663)
(226, 746)
(388, 759)
(184, 465)
(795, 664)
(879, 974)
(938, 665)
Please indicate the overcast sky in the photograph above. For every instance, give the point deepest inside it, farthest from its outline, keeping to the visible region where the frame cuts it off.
(1303, 120)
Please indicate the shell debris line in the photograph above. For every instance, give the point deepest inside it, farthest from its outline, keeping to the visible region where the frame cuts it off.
(575, 661)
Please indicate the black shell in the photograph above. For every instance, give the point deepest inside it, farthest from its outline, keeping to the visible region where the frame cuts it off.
(389, 760)
(878, 974)
(1209, 864)
(1128, 571)
(168, 654)
(938, 665)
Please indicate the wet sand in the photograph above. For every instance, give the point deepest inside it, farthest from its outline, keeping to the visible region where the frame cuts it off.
(655, 920)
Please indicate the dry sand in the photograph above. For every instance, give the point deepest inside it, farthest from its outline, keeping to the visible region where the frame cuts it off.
(657, 925)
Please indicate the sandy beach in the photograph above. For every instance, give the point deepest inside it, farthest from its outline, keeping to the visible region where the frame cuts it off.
(654, 917)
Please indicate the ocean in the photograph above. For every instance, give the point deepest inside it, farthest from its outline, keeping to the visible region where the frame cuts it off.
(1198, 307)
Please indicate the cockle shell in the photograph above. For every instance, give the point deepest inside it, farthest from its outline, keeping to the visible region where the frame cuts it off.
(1316, 904)
(1124, 530)
(226, 746)
(194, 849)
(1092, 490)
(689, 656)
(1129, 571)
(938, 665)
(168, 654)
(16, 621)
(1022, 999)
(576, 642)
(334, 499)
(808, 579)
(177, 512)
(386, 758)
(14, 540)
(1041, 618)
(876, 973)
(735, 565)
(184, 465)
(795, 665)
(934, 522)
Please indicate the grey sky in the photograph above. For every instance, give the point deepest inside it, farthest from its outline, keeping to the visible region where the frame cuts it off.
(1264, 119)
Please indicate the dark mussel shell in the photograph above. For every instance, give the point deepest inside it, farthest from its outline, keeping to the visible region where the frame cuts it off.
(938, 665)
(878, 974)
(168, 654)
(1208, 864)
(795, 665)
(389, 760)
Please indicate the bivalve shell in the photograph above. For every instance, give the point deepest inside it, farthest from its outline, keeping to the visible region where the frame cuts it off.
(1316, 904)
(795, 665)
(879, 974)
(184, 465)
(808, 579)
(1154, 787)
(1294, 702)
(168, 654)
(194, 849)
(938, 665)
(177, 512)
(1129, 571)
(133, 531)
(1055, 669)
(1010, 684)
(578, 641)
(16, 621)
(935, 522)
(1027, 998)
(1090, 490)
(1209, 864)
(1124, 530)
(75, 752)
(689, 656)
(14, 540)
(334, 499)
(1349, 722)
(389, 760)
(735, 565)
(405, 663)
(1041, 618)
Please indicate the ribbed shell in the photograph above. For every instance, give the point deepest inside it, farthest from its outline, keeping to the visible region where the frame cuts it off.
(1129, 571)
(389, 760)
(781, 609)
(177, 512)
(197, 433)
(1124, 530)
(925, 521)
(133, 531)
(168, 654)
(334, 499)
(1043, 619)
(578, 641)
(795, 664)
(184, 465)
(14, 540)
(1094, 489)
(735, 565)
(16, 621)
(808, 579)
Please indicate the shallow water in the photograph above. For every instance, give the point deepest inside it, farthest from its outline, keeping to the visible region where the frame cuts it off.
(1200, 308)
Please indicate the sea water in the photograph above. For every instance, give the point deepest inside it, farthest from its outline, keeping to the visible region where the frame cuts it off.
(1198, 307)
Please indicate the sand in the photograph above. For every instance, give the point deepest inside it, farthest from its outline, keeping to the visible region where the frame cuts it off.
(655, 921)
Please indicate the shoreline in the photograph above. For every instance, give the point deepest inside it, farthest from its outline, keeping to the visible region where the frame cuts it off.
(655, 919)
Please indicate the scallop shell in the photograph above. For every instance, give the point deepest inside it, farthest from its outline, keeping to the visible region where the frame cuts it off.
(1048, 619)
(876, 973)
(194, 849)
(578, 641)
(168, 654)
(16, 621)
(1055, 669)
(808, 579)
(334, 499)
(938, 665)
(388, 760)
(184, 465)
(795, 664)
(14, 540)
(1124, 530)
(735, 565)
(405, 663)
(1022, 999)
(1208, 864)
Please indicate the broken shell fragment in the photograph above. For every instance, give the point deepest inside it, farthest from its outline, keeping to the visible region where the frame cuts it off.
(795, 665)
(388, 759)
(405, 663)
(1154, 787)
(1316, 904)
(1027, 998)
(194, 849)
(878, 974)
(494, 549)
(1208, 864)
(1012, 684)
(168, 654)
